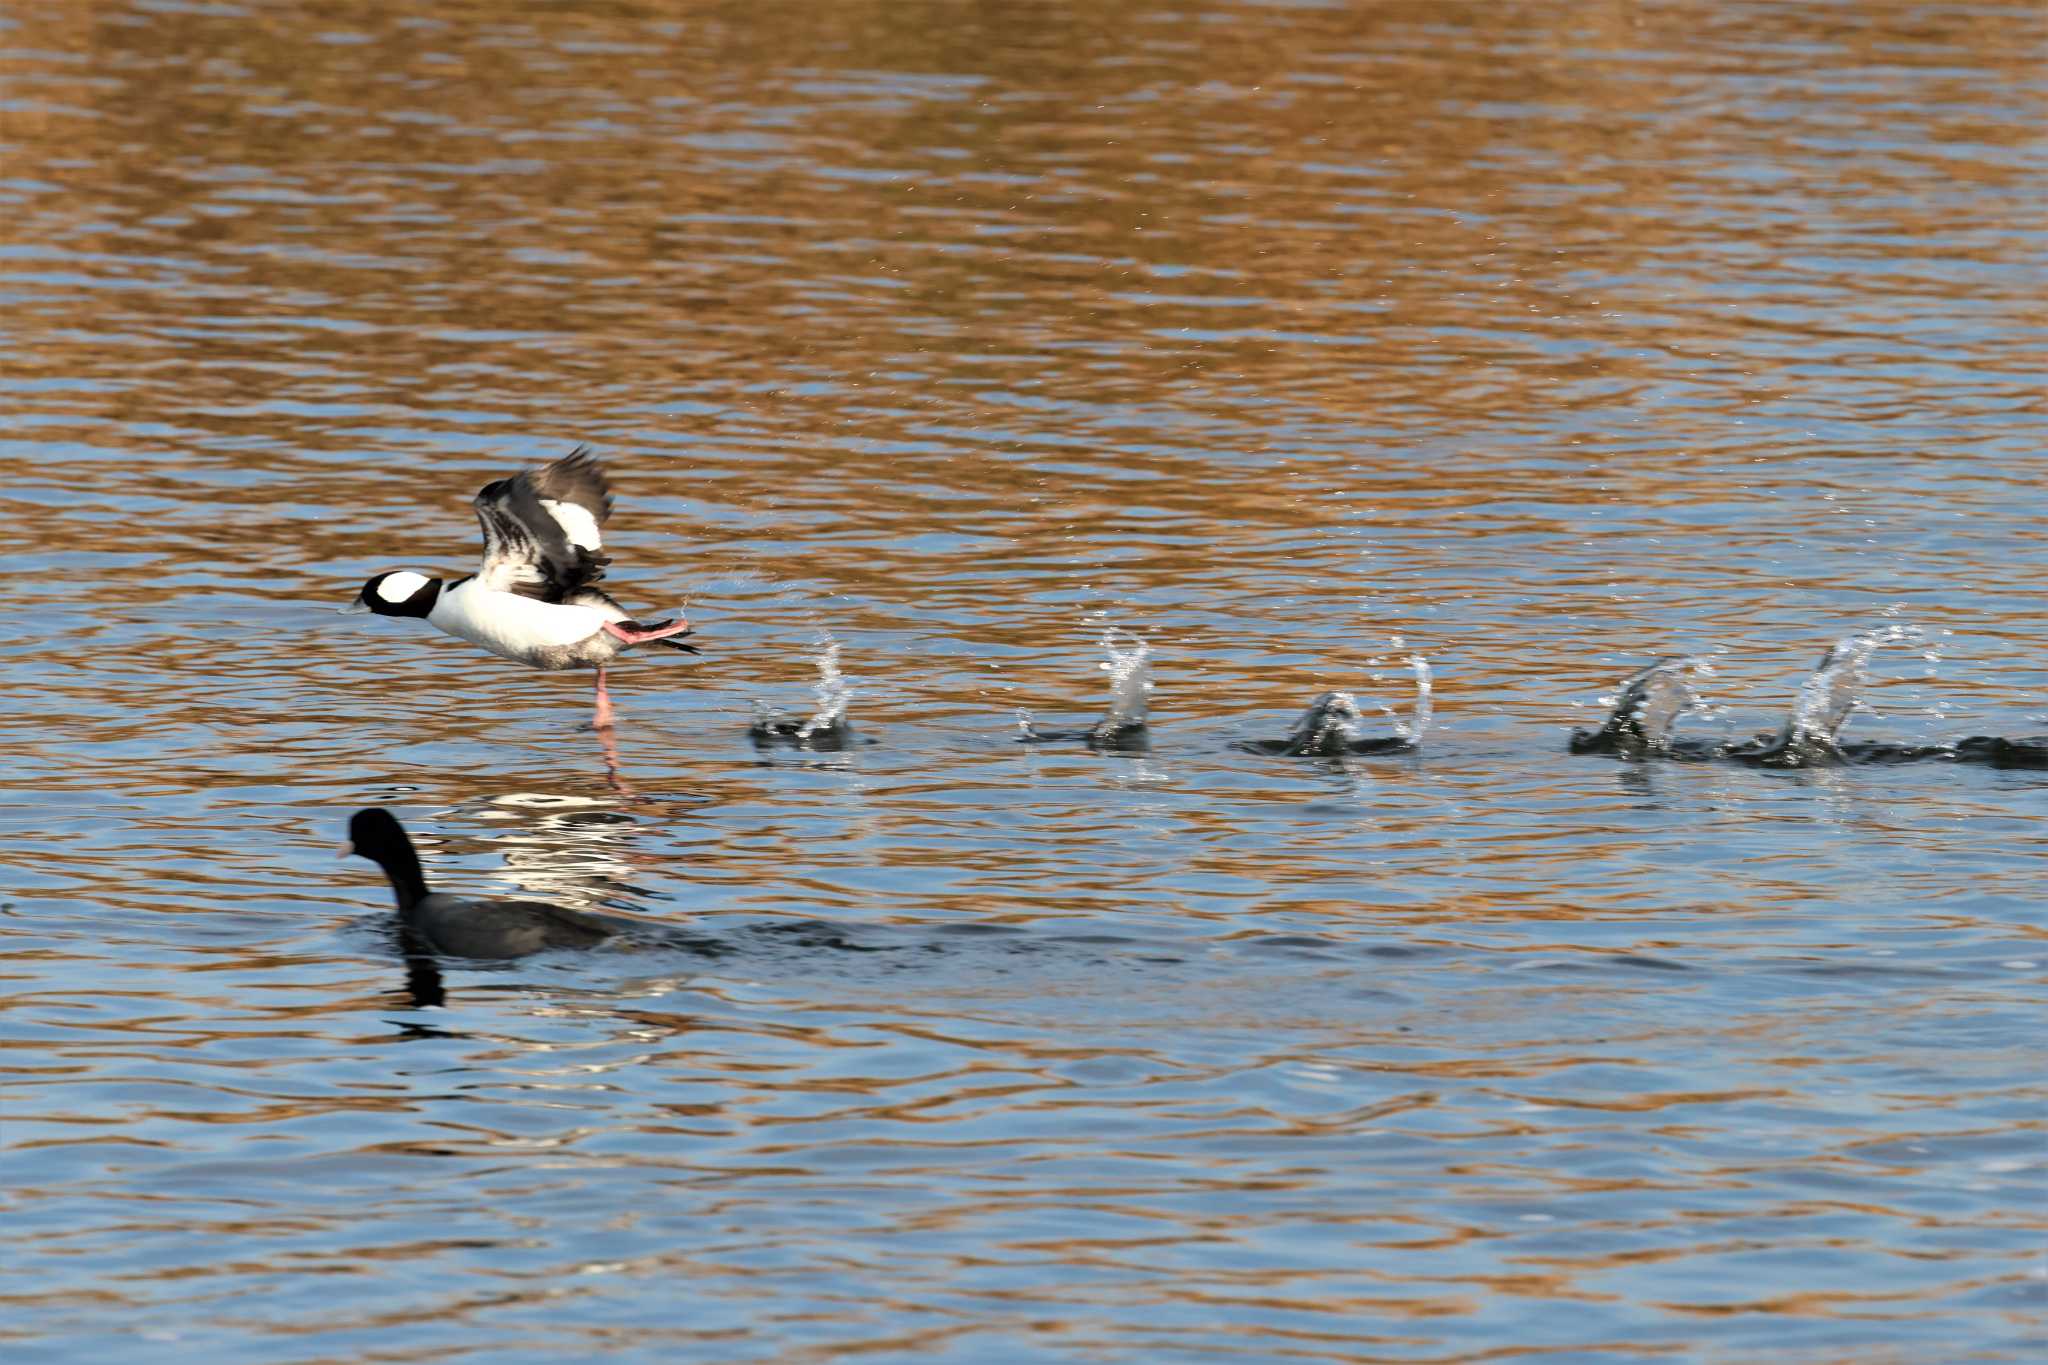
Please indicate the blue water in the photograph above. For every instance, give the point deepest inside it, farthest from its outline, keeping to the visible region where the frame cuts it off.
(1538, 341)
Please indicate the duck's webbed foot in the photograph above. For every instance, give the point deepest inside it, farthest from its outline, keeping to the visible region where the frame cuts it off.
(633, 633)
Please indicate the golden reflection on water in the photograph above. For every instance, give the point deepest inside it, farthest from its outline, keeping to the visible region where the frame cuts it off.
(1542, 337)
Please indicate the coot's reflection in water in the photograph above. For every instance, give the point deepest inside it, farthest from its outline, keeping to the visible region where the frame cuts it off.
(424, 984)
(1547, 338)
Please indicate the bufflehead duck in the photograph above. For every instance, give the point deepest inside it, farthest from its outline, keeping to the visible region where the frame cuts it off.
(534, 597)
(465, 926)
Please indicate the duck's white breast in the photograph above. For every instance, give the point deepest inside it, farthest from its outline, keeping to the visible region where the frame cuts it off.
(510, 625)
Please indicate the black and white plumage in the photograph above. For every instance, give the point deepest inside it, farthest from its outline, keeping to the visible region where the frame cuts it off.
(543, 530)
(534, 598)
(468, 926)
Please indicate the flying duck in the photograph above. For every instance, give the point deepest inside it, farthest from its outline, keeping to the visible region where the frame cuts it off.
(465, 926)
(534, 599)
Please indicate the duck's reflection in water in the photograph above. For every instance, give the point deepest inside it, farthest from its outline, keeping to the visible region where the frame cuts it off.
(570, 850)
(608, 744)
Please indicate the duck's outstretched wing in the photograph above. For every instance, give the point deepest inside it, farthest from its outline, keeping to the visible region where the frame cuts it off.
(541, 528)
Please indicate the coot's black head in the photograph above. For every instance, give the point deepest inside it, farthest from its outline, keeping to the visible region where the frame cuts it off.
(374, 833)
(398, 593)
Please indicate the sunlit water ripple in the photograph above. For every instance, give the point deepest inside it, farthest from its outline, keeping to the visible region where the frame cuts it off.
(1312, 348)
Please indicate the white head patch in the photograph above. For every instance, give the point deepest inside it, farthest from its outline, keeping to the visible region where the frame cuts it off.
(400, 586)
(576, 523)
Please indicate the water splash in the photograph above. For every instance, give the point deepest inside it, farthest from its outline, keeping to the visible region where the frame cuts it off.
(1421, 710)
(1424, 707)
(1654, 700)
(1123, 726)
(827, 727)
(1130, 676)
(1643, 713)
(1836, 690)
(1130, 689)
(1331, 725)
(831, 691)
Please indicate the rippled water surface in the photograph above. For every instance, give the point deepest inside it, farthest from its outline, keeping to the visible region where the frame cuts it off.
(1535, 340)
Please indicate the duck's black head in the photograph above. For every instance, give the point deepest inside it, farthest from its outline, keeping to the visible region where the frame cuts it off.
(398, 593)
(376, 834)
